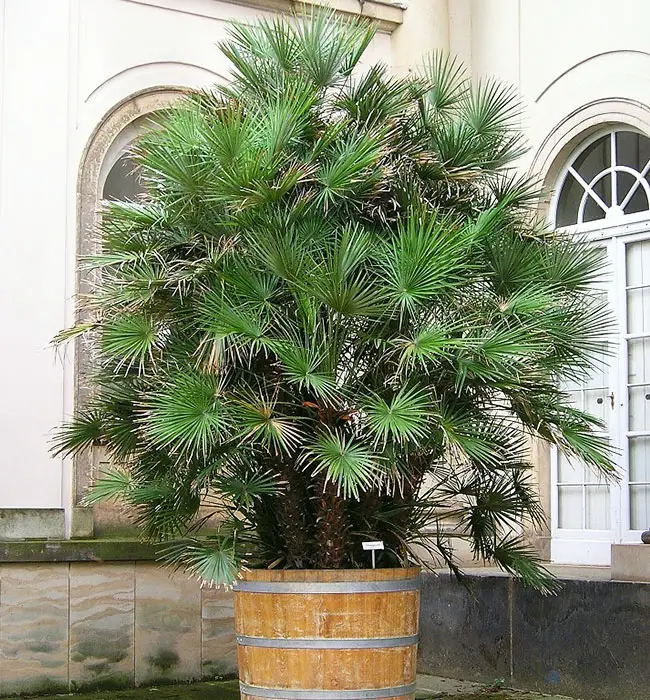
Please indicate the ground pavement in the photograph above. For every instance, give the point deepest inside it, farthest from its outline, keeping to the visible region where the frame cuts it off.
(428, 687)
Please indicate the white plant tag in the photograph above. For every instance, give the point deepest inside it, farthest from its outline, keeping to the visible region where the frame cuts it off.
(373, 547)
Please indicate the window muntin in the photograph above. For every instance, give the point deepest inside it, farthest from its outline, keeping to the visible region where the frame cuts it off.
(606, 182)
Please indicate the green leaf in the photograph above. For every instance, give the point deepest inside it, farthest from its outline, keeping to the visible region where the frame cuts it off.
(84, 431)
(115, 484)
(351, 465)
(130, 338)
(258, 420)
(188, 415)
(215, 562)
(403, 417)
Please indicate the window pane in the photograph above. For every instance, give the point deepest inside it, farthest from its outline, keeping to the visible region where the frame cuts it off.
(624, 182)
(570, 470)
(639, 407)
(593, 211)
(597, 507)
(638, 310)
(632, 149)
(639, 448)
(570, 507)
(638, 352)
(637, 260)
(638, 202)
(639, 507)
(594, 159)
(123, 182)
(569, 202)
(597, 403)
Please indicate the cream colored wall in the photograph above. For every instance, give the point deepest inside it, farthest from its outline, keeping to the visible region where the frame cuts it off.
(65, 65)
(577, 64)
(563, 56)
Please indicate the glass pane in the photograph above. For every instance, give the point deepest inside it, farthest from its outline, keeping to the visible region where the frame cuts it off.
(570, 507)
(632, 149)
(603, 188)
(597, 403)
(123, 182)
(568, 202)
(593, 211)
(639, 448)
(639, 407)
(594, 159)
(637, 261)
(597, 508)
(638, 202)
(569, 470)
(638, 310)
(624, 182)
(638, 353)
(639, 507)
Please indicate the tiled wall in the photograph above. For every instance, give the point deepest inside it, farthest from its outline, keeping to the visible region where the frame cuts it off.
(85, 625)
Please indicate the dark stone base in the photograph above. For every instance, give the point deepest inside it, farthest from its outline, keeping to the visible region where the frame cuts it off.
(589, 641)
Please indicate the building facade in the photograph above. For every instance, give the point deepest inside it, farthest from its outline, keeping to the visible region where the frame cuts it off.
(78, 79)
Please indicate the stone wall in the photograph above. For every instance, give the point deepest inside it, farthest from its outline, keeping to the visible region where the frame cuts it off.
(589, 641)
(83, 625)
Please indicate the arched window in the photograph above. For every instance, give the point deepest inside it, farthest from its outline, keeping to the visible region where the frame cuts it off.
(107, 172)
(122, 183)
(604, 191)
(606, 182)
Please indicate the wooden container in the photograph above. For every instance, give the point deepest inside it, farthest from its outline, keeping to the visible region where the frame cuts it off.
(346, 634)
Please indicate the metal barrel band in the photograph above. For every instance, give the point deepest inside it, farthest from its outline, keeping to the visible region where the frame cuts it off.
(306, 587)
(303, 643)
(291, 694)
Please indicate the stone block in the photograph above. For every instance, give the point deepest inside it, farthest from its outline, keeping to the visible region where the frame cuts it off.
(588, 641)
(102, 610)
(22, 523)
(82, 523)
(631, 562)
(33, 628)
(464, 630)
(218, 633)
(167, 625)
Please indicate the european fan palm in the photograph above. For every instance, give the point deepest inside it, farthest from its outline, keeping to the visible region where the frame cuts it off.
(332, 317)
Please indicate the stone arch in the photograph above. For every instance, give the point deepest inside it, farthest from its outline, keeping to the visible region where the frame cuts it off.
(555, 150)
(104, 146)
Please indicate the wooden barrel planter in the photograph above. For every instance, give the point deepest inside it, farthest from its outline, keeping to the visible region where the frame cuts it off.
(327, 635)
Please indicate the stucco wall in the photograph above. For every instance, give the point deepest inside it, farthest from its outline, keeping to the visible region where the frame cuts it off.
(65, 65)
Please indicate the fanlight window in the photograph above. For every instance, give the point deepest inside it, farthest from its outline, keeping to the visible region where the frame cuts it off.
(607, 181)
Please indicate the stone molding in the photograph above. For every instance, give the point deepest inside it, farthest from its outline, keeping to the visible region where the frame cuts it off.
(387, 13)
(62, 550)
(563, 139)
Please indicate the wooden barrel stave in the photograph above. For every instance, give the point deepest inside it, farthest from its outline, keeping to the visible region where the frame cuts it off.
(346, 640)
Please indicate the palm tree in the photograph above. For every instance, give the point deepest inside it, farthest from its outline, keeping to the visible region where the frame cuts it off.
(333, 317)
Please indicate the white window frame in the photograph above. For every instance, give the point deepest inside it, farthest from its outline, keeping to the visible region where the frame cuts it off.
(614, 234)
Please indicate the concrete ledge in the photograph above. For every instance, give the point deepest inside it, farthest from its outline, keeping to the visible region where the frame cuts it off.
(387, 13)
(21, 523)
(631, 562)
(76, 550)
